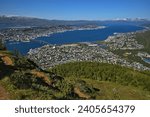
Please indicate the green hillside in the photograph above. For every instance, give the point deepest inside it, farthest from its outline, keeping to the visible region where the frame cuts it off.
(20, 78)
(107, 77)
(144, 39)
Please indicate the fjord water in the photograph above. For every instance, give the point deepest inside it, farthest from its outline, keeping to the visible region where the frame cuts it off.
(72, 37)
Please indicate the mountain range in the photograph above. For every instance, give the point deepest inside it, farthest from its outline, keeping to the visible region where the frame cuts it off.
(19, 21)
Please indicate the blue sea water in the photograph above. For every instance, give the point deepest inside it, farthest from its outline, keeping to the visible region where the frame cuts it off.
(72, 37)
(147, 60)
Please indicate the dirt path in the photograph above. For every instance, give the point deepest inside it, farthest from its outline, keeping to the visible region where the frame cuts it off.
(3, 93)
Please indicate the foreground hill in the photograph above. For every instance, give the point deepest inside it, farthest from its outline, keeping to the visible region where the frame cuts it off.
(20, 78)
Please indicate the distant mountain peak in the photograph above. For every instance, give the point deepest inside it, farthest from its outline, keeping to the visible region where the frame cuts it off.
(130, 19)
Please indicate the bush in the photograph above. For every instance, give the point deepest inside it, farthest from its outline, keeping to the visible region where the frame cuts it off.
(21, 80)
(104, 72)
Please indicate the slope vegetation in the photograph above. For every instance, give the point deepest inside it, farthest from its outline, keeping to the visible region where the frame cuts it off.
(23, 79)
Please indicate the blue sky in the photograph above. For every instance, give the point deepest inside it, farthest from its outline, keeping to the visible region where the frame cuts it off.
(77, 9)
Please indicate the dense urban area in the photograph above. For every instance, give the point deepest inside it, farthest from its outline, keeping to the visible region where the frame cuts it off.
(49, 56)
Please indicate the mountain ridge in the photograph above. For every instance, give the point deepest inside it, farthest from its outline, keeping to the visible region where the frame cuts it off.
(20, 21)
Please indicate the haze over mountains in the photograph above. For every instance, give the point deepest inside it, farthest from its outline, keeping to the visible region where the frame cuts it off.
(19, 21)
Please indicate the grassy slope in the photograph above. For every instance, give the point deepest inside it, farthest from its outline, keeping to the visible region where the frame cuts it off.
(113, 82)
(82, 80)
(18, 66)
(109, 90)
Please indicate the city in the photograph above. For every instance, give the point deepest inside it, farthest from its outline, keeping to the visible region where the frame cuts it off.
(51, 55)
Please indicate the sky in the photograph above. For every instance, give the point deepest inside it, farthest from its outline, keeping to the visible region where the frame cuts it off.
(77, 9)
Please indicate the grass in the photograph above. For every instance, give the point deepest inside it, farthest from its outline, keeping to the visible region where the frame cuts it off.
(3, 93)
(21, 94)
(110, 90)
(112, 81)
(80, 80)
(144, 39)
(107, 91)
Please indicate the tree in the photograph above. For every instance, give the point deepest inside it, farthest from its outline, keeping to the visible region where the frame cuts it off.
(2, 46)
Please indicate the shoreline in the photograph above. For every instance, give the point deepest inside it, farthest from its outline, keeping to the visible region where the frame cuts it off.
(100, 27)
(48, 34)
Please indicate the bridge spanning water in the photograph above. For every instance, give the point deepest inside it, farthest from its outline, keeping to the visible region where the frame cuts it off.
(40, 41)
(72, 37)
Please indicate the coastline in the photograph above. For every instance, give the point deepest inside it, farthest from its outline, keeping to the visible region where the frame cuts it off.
(28, 44)
(133, 32)
(80, 29)
(49, 32)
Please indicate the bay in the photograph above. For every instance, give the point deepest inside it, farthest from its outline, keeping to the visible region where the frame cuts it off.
(71, 37)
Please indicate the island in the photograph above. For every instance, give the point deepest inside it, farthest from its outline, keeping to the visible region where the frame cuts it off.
(29, 33)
